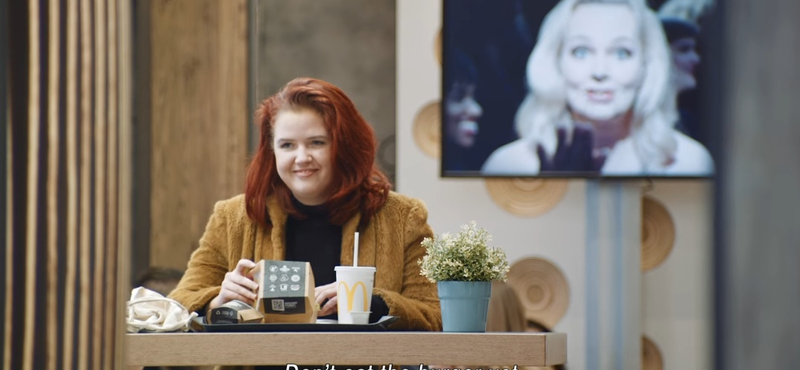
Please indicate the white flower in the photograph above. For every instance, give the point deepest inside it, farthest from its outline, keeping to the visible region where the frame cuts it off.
(463, 257)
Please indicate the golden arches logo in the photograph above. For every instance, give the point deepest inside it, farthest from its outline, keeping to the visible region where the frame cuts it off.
(351, 293)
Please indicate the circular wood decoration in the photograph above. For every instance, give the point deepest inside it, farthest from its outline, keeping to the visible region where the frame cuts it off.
(651, 355)
(658, 233)
(526, 197)
(542, 289)
(428, 129)
(437, 47)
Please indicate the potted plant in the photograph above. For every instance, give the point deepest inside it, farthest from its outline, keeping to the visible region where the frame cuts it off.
(463, 267)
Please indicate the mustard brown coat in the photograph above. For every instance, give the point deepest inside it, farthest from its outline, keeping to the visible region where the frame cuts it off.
(390, 241)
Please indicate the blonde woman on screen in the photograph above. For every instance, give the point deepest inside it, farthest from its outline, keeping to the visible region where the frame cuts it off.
(601, 99)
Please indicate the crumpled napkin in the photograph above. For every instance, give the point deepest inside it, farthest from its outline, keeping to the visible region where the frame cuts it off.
(152, 312)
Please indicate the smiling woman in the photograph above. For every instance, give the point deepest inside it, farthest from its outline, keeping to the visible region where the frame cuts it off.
(303, 155)
(308, 118)
(311, 185)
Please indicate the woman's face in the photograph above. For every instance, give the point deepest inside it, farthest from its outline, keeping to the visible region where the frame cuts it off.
(463, 113)
(685, 59)
(303, 155)
(601, 60)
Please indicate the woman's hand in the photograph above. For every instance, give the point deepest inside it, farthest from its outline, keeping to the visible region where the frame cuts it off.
(323, 293)
(238, 284)
(573, 155)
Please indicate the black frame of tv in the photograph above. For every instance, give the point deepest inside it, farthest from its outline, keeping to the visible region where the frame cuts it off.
(480, 30)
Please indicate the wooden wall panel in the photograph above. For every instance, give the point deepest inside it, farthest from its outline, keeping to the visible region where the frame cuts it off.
(198, 120)
(62, 265)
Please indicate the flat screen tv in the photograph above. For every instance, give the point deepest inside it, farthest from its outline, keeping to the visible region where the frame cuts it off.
(580, 88)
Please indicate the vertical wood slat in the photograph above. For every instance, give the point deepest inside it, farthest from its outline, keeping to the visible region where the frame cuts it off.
(84, 306)
(18, 21)
(125, 168)
(110, 308)
(5, 163)
(100, 138)
(34, 128)
(5, 170)
(72, 183)
(9, 252)
(54, 59)
(9, 277)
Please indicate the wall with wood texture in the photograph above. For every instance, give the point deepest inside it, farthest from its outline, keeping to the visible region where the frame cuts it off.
(194, 124)
(67, 221)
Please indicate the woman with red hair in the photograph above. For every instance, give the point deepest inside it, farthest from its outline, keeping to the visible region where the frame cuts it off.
(310, 186)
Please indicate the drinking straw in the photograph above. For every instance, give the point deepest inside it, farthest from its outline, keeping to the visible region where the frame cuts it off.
(355, 252)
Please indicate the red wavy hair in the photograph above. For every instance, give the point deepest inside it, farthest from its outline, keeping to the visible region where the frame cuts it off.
(357, 184)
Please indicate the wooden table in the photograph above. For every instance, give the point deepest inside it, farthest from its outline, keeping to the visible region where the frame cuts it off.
(407, 348)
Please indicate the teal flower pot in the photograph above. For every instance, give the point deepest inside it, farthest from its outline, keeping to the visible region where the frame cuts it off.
(465, 305)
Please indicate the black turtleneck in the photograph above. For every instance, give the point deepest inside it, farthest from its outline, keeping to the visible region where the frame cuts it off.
(316, 240)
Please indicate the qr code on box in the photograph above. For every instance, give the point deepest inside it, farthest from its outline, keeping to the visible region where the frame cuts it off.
(277, 305)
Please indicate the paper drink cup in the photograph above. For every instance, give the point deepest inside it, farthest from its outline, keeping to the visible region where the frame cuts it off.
(354, 292)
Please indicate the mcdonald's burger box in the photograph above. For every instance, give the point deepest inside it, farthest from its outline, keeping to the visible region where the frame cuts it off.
(285, 291)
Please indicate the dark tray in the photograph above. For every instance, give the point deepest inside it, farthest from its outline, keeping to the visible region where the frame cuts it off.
(199, 324)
